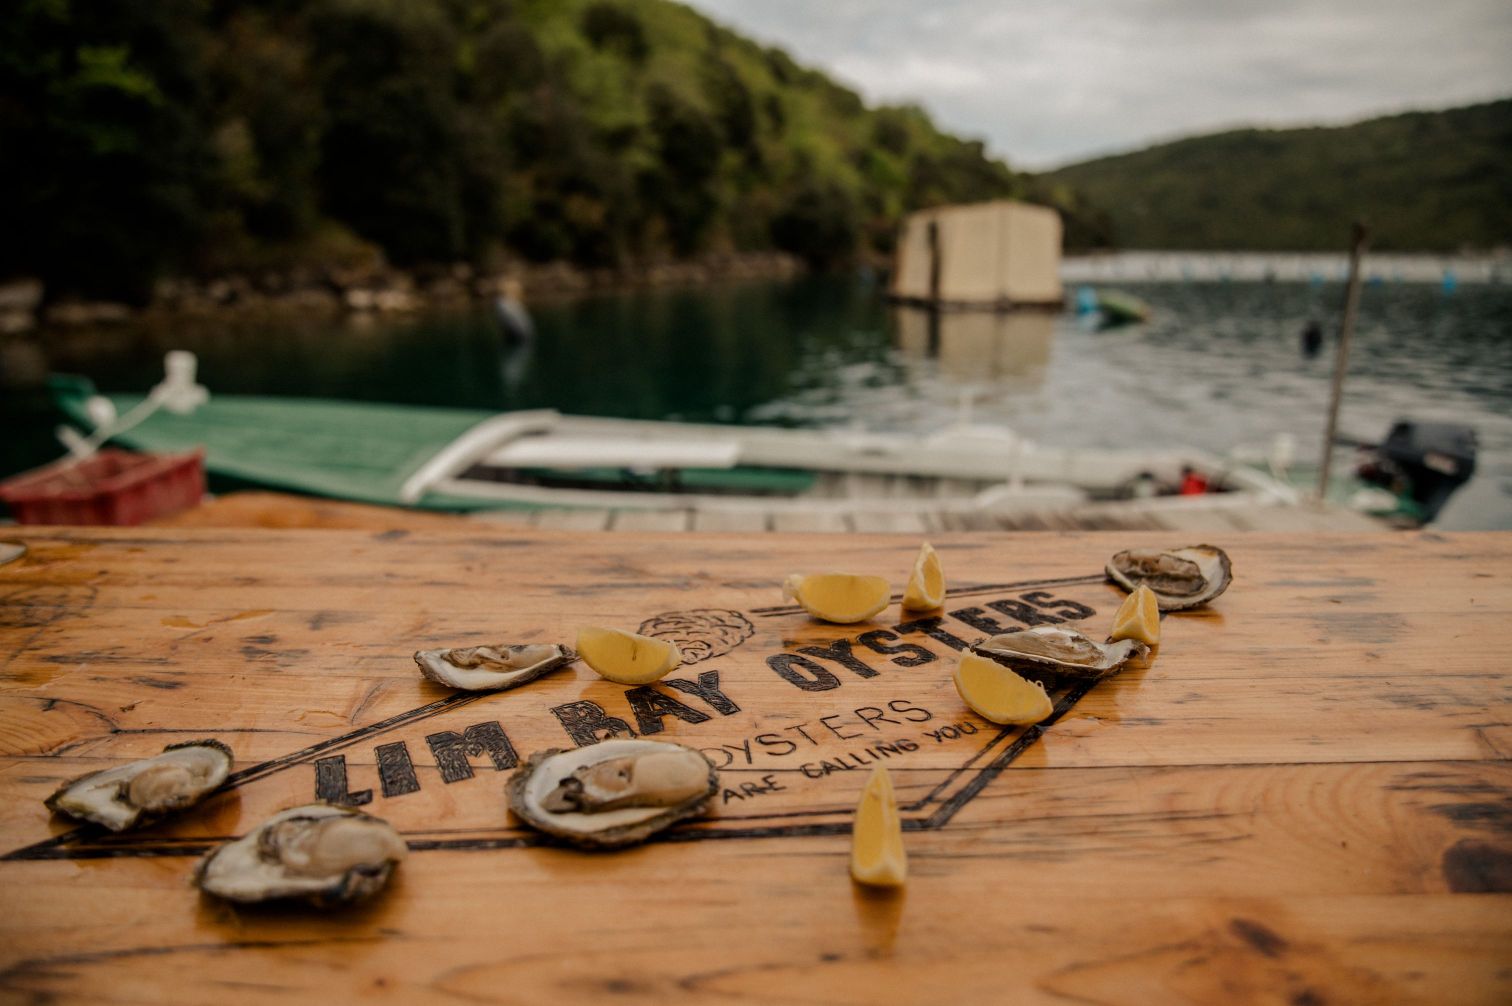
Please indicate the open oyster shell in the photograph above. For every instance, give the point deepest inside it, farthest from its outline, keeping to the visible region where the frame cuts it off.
(1181, 578)
(1055, 649)
(122, 797)
(323, 854)
(489, 668)
(613, 793)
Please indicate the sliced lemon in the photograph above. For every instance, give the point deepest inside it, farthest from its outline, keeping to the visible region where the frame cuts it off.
(1138, 618)
(625, 657)
(839, 597)
(877, 855)
(926, 584)
(997, 694)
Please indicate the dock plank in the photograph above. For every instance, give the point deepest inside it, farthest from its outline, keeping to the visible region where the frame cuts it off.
(811, 521)
(873, 522)
(744, 521)
(1216, 519)
(574, 520)
(649, 520)
(731, 521)
(258, 509)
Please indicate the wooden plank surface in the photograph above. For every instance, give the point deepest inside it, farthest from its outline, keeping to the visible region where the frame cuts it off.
(261, 509)
(1306, 797)
(874, 522)
(650, 520)
(741, 521)
(811, 521)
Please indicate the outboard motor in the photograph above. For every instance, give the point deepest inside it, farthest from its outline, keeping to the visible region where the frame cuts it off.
(1424, 461)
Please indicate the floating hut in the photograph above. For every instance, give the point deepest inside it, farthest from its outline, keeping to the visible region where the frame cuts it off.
(992, 256)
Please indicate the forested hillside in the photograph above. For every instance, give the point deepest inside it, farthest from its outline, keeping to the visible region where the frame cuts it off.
(191, 136)
(1433, 181)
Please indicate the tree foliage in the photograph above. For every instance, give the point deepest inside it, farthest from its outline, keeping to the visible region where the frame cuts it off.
(138, 139)
(1424, 181)
(105, 140)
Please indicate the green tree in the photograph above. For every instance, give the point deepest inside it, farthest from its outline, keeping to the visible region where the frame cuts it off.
(615, 27)
(392, 152)
(105, 155)
(688, 145)
(820, 224)
(148, 138)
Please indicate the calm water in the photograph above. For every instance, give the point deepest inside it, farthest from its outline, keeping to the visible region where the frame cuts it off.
(1218, 367)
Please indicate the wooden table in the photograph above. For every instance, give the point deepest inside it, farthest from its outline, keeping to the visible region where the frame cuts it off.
(1304, 799)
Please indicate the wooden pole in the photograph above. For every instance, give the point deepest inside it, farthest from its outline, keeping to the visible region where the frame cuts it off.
(934, 264)
(1341, 360)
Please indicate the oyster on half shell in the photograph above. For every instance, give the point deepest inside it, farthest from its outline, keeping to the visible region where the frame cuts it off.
(1180, 578)
(613, 793)
(1055, 649)
(320, 853)
(122, 797)
(490, 668)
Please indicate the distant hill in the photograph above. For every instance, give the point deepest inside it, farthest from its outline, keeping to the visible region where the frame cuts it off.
(1432, 181)
(180, 135)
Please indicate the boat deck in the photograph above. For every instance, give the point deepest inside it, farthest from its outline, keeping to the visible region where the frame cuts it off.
(280, 510)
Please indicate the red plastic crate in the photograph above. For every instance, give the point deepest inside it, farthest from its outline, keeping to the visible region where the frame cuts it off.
(111, 487)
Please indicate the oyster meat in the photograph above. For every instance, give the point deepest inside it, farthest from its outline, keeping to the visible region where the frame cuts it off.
(489, 668)
(120, 798)
(1057, 650)
(613, 793)
(1181, 578)
(320, 853)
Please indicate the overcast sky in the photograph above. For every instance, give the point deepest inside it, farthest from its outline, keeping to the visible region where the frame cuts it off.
(1047, 82)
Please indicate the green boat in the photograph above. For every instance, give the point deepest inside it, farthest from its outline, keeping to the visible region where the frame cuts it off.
(372, 452)
(467, 460)
(1120, 308)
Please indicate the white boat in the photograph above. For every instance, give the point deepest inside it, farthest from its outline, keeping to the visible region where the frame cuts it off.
(549, 459)
(449, 459)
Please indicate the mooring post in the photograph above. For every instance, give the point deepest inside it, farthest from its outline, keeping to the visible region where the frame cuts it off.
(1341, 360)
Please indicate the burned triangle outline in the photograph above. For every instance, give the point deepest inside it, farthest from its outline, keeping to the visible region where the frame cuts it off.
(68, 844)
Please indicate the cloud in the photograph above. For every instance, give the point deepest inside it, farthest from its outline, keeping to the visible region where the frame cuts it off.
(1050, 81)
(913, 76)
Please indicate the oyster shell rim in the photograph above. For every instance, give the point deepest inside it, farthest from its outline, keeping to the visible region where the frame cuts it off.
(615, 836)
(349, 887)
(565, 655)
(142, 817)
(1173, 602)
(1105, 667)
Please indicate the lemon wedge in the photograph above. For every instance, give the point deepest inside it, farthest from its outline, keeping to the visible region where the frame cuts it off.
(877, 856)
(1138, 618)
(625, 657)
(997, 694)
(926, 584)
(839, 597)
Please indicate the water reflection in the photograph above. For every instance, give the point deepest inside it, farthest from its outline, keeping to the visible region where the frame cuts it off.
(1217, 366)
(973, 346)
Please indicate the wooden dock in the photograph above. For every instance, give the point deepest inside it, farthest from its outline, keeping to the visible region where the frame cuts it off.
(1303, 798)
(283, 511)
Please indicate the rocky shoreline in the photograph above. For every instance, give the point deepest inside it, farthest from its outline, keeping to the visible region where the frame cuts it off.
(24, 306)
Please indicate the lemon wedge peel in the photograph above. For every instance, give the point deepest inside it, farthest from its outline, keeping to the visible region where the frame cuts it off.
(842, 598)
(997, 694)
(877, 856)
(625, 657)
(926, 584)
(1138, 618)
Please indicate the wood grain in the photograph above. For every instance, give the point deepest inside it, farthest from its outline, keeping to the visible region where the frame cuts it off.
(1305, 798)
